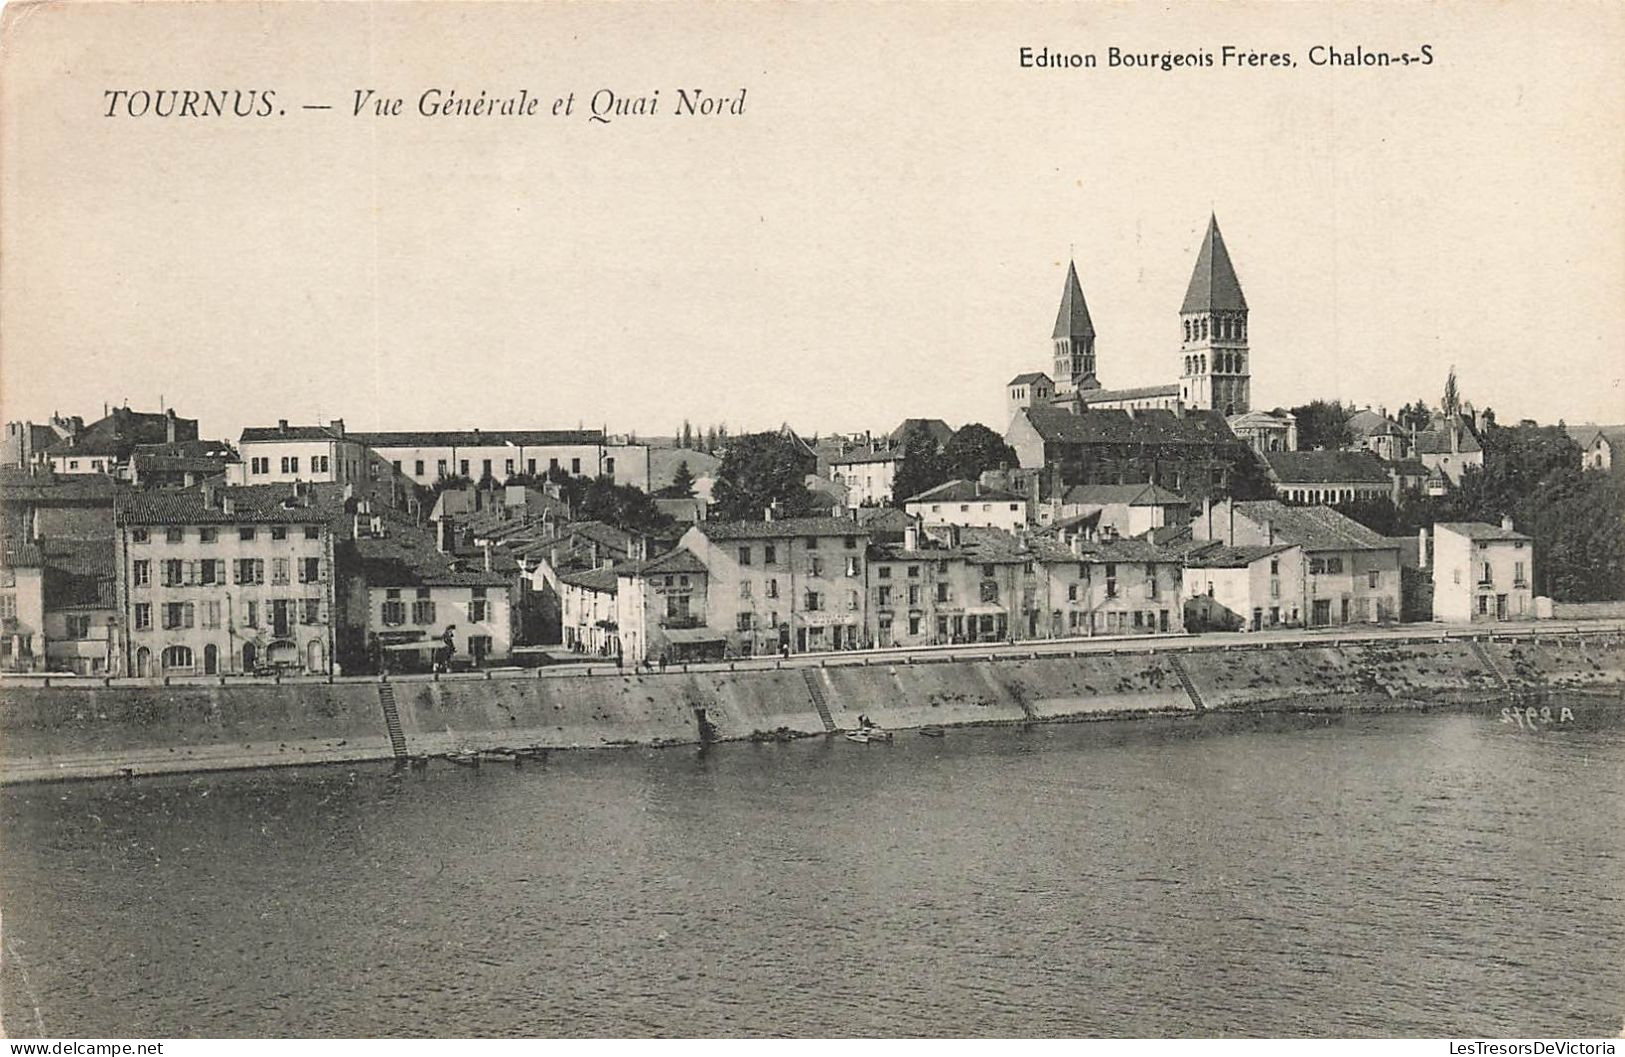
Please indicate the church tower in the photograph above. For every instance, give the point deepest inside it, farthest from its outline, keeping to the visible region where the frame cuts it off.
(1074, 339)
(1213, 322)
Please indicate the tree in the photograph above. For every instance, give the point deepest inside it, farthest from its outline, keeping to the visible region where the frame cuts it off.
(622, 505)
(1415, 416)
(920, 468)
(688, 435)
(1323, 424)
(1450, 404)
(974, 450)
(710, 440)
(682, 483)
(761, 470)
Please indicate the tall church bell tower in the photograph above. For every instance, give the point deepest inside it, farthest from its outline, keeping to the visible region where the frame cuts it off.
(1216, 374)
(1074, 339)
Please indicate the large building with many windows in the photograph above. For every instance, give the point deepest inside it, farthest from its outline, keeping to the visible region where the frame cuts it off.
(219, 580)
(427, 456)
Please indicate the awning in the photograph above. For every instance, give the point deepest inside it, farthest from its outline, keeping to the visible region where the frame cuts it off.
(983, 611)
(423, 644)
(695, 635)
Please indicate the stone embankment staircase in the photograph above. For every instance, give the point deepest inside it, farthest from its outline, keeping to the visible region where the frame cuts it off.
(1488, 661)
(1185, 681)
(815, 688)
(392, 720)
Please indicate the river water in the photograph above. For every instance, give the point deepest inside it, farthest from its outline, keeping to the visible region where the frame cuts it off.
(1444, 874)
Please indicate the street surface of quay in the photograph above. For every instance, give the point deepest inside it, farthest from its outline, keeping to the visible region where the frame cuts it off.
(1446, 873)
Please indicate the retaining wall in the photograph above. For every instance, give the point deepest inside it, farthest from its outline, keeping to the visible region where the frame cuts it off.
(64, 732)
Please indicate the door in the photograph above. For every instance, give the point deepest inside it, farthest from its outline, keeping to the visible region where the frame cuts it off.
(1345, 611)
(249, 656)
(279, 617)
(313, 656)
(1500, 607)
(1322, 612)
(143, 662)
(1258, 620)
(211, 659)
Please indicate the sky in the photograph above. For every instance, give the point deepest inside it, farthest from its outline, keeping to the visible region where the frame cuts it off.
(882, 233)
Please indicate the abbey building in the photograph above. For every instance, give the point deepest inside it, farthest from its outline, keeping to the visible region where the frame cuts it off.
(1214, 361)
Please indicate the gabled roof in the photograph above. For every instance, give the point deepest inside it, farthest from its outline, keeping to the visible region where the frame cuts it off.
(19, 486)
(1326, 467)
(251, 504)
(1219, 556)
(1121, 494)
(1073, 320)
(1029, 378)
(672, 562)
(78, 574)
(1368, 423)
(1214, 286)
(599, 580)
(408, 557)
(962, 491)
(121, 430)
(15, 554)
(1314, 528)
(1102, 396)
(1479, 530)
(1437, 442)
(780, 528)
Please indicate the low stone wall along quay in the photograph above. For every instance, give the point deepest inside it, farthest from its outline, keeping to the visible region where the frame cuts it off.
(61, 727)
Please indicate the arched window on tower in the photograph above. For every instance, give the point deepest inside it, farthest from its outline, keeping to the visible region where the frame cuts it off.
(1187, 329)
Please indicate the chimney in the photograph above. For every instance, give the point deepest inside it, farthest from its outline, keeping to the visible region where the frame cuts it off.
(767, 512)
(1269, 531)
(337, 426)
(228, 504)
(487, 555)
(911, 537)
(1382, 410)
(1506, 523)
(443, 536)
(169, 426)
(1422, 547)
(282, 425)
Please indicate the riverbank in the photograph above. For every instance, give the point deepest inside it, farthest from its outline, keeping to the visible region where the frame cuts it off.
(92, 731)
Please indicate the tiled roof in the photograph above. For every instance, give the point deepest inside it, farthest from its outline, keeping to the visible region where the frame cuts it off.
(674, 561)
(1368, 423)
(1326, 467)
(407, 557)
(1479, 530)
(781, 528)
(20, 486)
(1126, 494)
(1073, 319)
(883, 518)
(1029, 378)
(120, 430)
(1437, 442)
(1312, 527)
(1406, 467)
(19, 555)
(263, 434)
(940, 431)
(1161, 427)
(1144, 392)
(1214, 285)
(962, 491)
(472, 438)
(600, 580)
(1218, 556)
(262, 503)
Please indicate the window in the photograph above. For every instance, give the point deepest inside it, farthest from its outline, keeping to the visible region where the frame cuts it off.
(285, 464)
(1517, 575)
(942, 592)
(852, 566)
(849, 542)
(1151, 588)
(552, 464)
(913, 594)
(914, 571)
(311, 611)
(440, 468)
(485, 468)
(250, 571)
(174, 572)
(78, 625)
(770, 554)
(575, 467)
(462, 467)
(883, 572)
(816, 566)
(744, 621)
(143, 615)
(609, 466)
(883, 594)
(141, 572)
(251, 614)
(479, 610)
(313, 532)
(177, 615)
(1071, 592)
(744, 555)
(990, 591)
(211, 614)
(279, 532)
(1488, 577)
(394, 613)
(1275, 566)
(279, 570)
(423, 592)
(744, 589)
(530, 467)
(174, 534)
(138, 535)
(177, 657)
(245, 532)
(310, 570)
(507, 467)
(1483, 604)
(208, 534)
(422, 611)
(1372, 578)
(1111, 580)
(772, 588)
(813, 602)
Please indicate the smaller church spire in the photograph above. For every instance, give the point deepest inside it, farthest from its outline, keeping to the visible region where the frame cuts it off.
(1073, 320)
(1214, 286)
